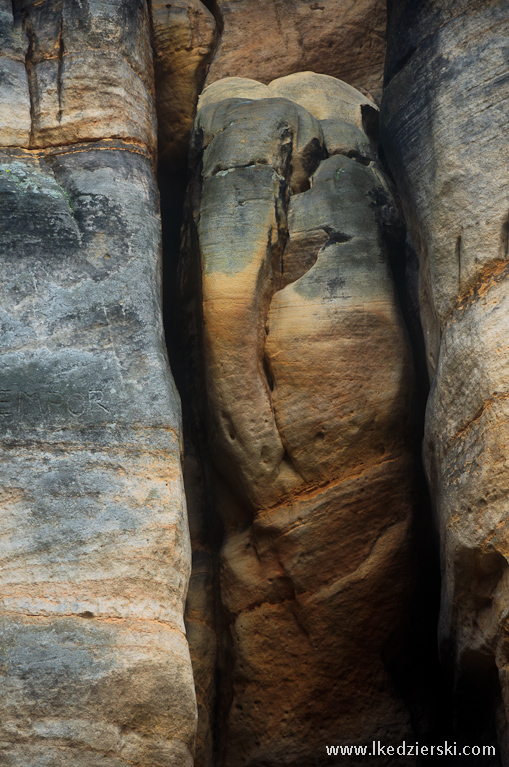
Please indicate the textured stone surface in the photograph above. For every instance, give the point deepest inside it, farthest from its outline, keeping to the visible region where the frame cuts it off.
(273, 38)
(14, 92)
(444, 131)
(94, 543)
(184, 35)
(322, 96)
(88, 73)
(308, 379)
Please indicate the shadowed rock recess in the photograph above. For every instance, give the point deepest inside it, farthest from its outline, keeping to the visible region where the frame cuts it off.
(94, 545)
(444, 130)
(304, 360)
(273, 38)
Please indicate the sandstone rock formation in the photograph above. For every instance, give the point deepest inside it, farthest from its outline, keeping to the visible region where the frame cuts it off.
(299, 443)
(444, 119)
(94, 544)
(274, 38)
(308, 379)
(184, 36)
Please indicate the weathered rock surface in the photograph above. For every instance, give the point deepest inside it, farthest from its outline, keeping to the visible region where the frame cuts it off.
(94, 544)
(88, 73)
(444, 131)
(274, 38)
(15, 122)
(306, 363)
(184, 35)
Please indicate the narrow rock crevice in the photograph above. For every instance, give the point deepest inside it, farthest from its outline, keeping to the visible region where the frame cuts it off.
(29, 33)
(400, 64)
(60, 59)
(504, 239)
(215, 10)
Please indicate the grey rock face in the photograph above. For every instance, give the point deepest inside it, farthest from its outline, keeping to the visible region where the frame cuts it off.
(94, 545)
(444, 130)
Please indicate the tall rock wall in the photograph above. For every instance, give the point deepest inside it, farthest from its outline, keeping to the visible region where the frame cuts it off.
(444, 126)
(94, 545)
(301, 347)
(274, 38)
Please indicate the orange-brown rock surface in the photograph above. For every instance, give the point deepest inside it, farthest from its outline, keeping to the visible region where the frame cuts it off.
(444, 131)
(307, 374)
(94, 542)
(273, 38)
(184, 35)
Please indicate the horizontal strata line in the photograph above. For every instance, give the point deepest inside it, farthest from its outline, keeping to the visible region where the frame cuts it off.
(78, 746)
(111, 426)
(487, 404)
(344, 580)
(97, 618)
(314, 490)
(115, 448)
(189, 619)
(20, 59)
(45, 442)
(122, 143)
(60, 741)
(82, 53)
(243, 166)
(358, 573)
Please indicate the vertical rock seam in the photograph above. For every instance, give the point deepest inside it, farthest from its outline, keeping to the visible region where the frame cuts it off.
(94, 544)
(184, 36)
